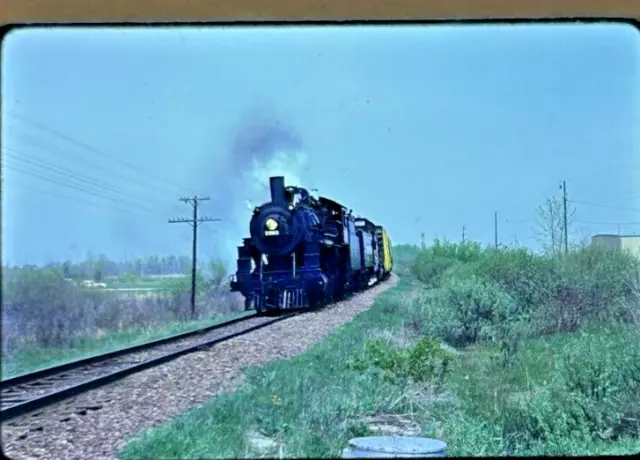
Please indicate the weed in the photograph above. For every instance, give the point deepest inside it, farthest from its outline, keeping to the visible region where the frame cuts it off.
(546, 363)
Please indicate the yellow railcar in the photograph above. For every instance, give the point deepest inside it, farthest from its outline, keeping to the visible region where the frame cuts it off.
(387, 258)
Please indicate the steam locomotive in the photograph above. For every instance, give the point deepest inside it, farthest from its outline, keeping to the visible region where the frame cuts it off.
(306, 252)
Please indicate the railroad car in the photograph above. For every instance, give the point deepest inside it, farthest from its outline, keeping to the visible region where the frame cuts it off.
(305, 252)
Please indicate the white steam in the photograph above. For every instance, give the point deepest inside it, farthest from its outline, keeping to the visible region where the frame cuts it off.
(290, 165)
(255, 191)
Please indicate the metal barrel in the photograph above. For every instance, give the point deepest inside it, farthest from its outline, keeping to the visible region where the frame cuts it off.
(395, 447)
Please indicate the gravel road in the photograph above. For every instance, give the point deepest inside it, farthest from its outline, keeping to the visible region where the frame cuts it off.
(116, 413)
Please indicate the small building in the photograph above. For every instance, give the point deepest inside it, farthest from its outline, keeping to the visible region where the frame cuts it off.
(93, 284)
(629, 243)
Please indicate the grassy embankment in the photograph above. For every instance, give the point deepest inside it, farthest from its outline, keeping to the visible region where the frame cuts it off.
(48, 321)
(35, 358)
(497, 353)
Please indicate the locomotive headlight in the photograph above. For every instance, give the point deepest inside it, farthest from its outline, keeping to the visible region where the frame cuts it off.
(271, 224)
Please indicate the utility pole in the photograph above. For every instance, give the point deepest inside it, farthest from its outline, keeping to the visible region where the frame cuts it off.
(195, 201)
(463, 229)
(566, 230)
(495, 228)
(552, 229)
(422, 242)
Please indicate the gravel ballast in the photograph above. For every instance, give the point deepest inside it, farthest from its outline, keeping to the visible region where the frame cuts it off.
(117, 412)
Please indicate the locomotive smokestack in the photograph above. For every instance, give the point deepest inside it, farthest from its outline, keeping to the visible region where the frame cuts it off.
(276, 184)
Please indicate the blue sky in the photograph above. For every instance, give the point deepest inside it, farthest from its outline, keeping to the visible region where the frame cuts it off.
(422, 129)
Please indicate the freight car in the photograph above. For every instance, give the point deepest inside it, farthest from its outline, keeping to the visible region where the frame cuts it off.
(305, 252)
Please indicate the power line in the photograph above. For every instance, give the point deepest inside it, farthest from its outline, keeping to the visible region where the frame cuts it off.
(523, 221)
(495, 228)
(606, 223)
(623, 198)
(194, 222)
(604, 206)
(80, 158)
(89, 148)
(76, 176)
(564, 205)
(89, 203)
(72, 186)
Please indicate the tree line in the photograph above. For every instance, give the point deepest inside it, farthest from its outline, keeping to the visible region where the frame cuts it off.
(101, 267)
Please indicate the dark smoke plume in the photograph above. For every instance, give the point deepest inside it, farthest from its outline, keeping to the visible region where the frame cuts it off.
(260, 136)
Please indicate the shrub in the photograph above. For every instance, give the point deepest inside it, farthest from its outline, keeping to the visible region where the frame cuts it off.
(131, 278)
(431, 263)
(460, 271)
(527, 277)
(429, 268)
(463, 311)
(403, 257)
(43, 309)
(425, 361)
(592, 285)
(594, 393)
(42, 304)
(602, 369)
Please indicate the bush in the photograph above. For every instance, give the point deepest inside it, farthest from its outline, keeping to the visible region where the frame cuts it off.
(43, 309)
(463, 311)
(590, 284)
(431, 263)
(602, 370)
(594, 393)
(40, 303)
(425, 361)
(586, 377)
(131, 278)
(429, 268)
(527, 277)
(403, 257)
(460, 271)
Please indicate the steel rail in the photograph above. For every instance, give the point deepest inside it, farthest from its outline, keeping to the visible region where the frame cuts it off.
(25, 406)
(47, 371)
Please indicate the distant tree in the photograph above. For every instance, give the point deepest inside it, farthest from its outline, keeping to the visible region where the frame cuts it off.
(99, 268)
(549, 226)
(130, 278)
(217, 270)
(67, 268)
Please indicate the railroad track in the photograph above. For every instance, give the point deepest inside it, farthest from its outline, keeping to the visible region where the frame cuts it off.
(25, 393)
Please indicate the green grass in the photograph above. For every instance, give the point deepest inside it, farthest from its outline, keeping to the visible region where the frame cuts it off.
(568, 394)
(33, 359)
(547, 363)
(160, 285)
(314, 403)
(311, 401)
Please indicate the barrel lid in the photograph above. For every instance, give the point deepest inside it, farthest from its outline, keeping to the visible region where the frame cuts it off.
(398, 444)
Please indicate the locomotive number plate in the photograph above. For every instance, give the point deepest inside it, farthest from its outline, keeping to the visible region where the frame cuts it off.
(271, 232)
